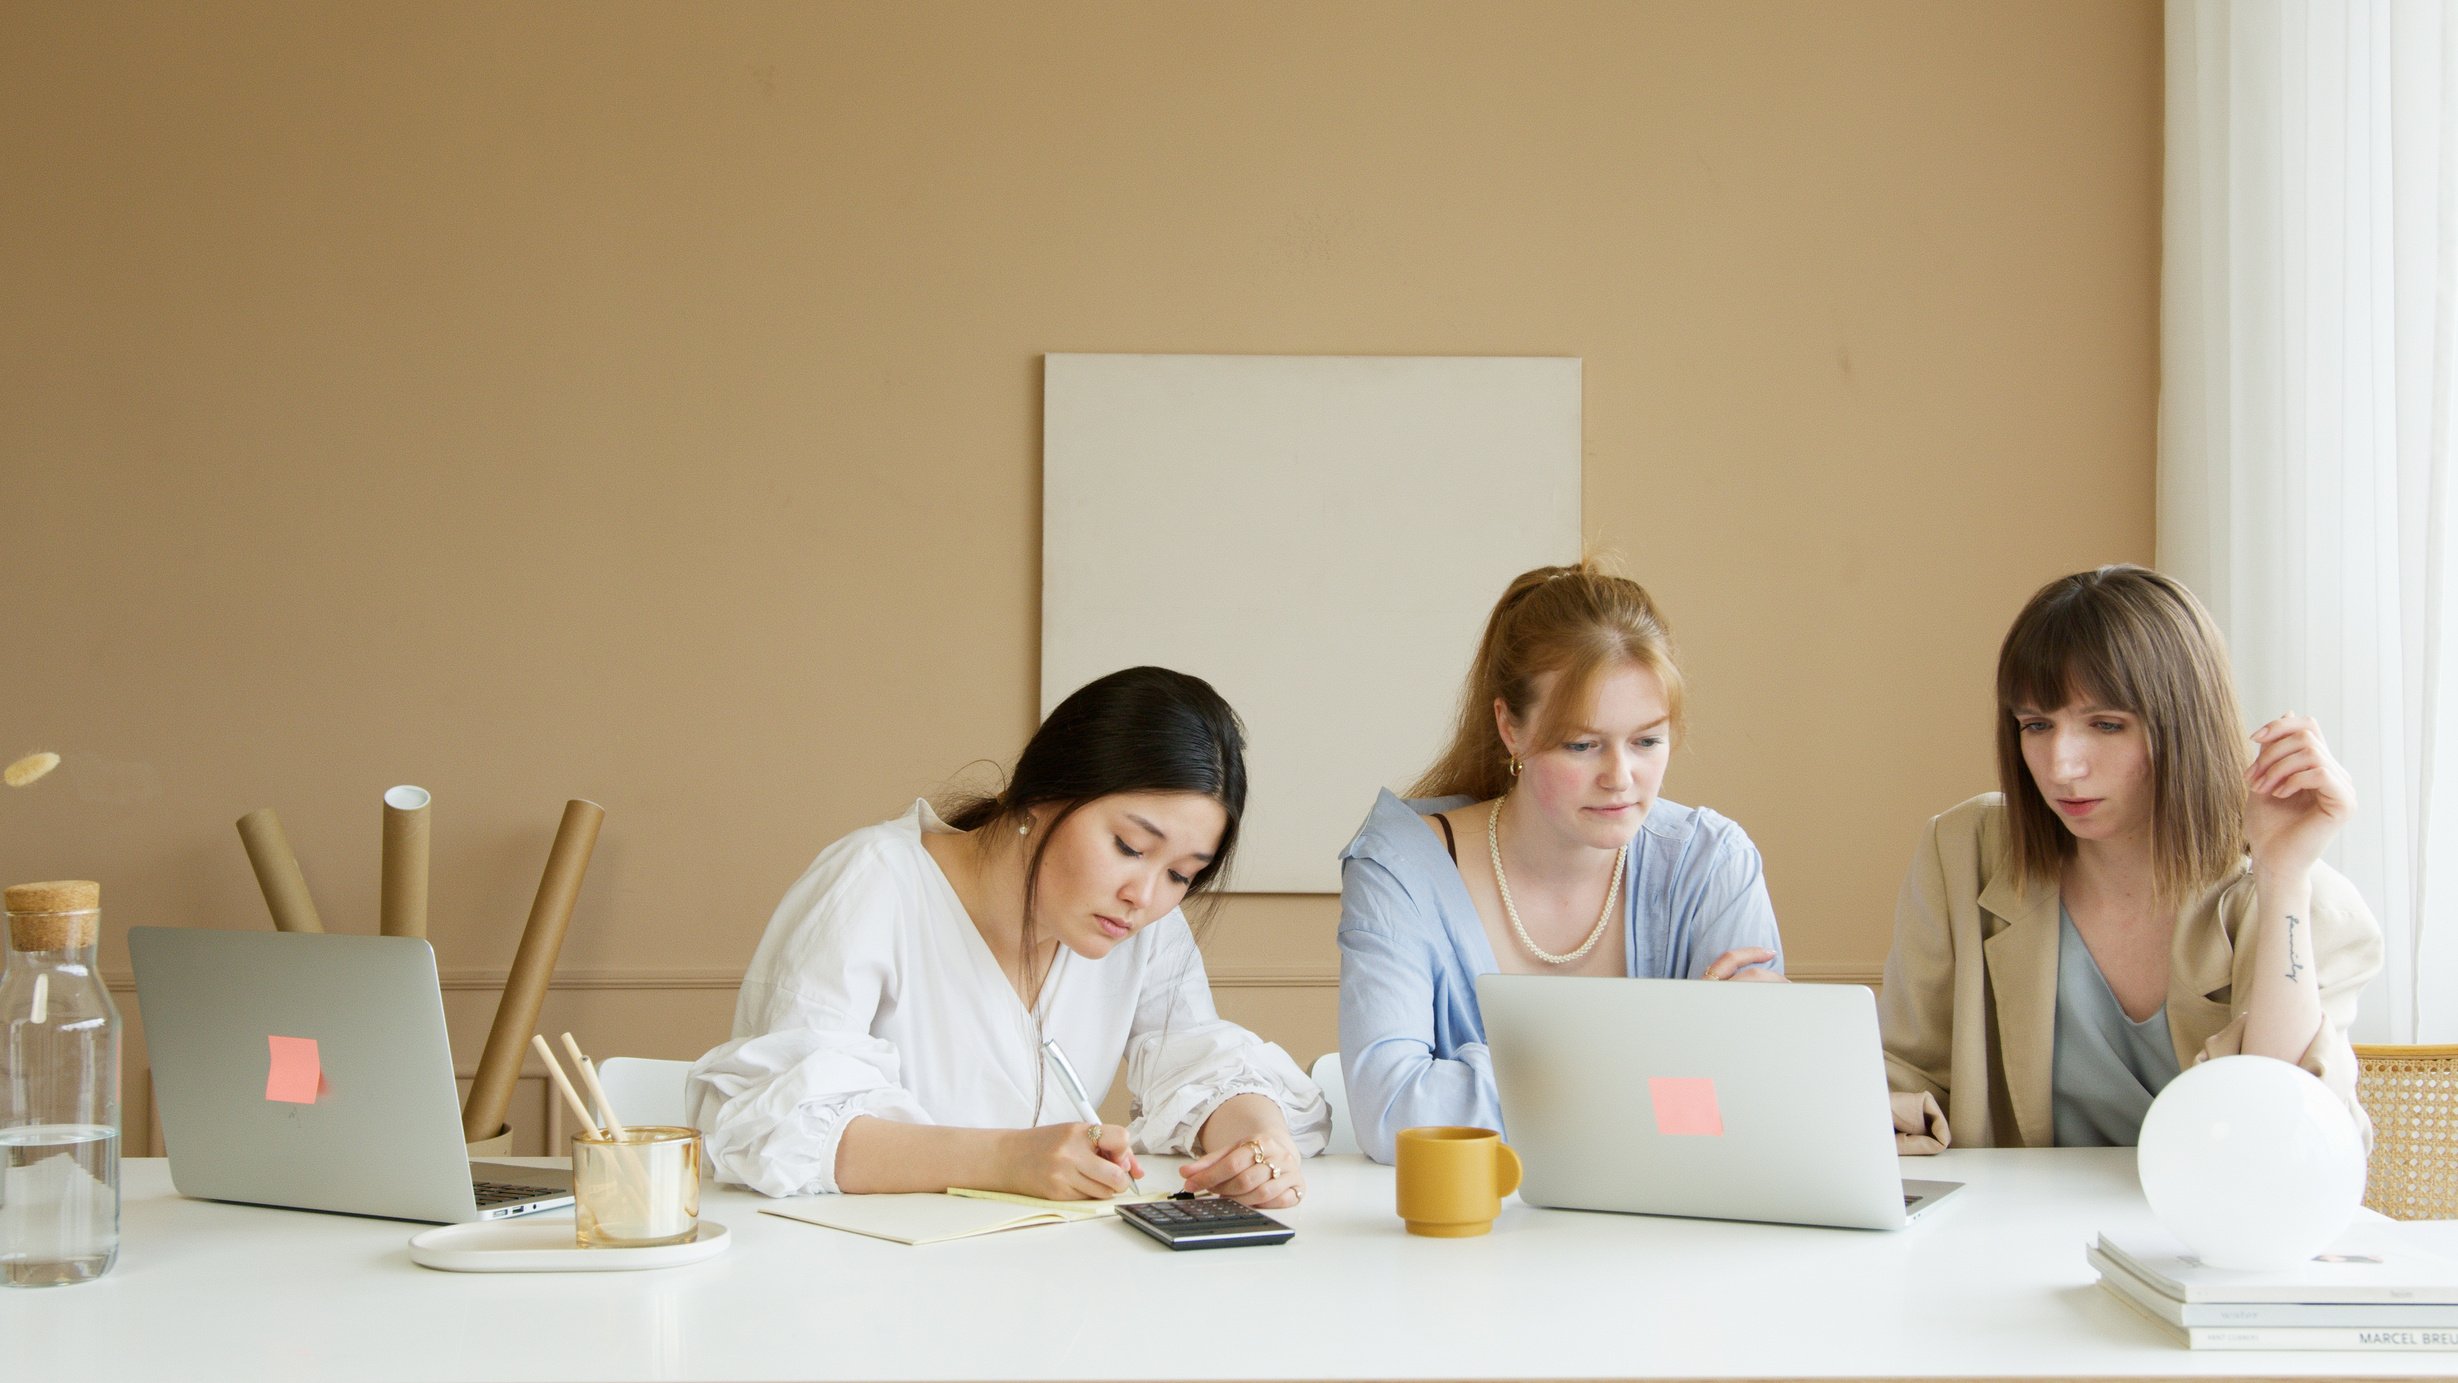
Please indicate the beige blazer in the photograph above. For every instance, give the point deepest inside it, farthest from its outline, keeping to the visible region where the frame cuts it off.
(1969, 1011)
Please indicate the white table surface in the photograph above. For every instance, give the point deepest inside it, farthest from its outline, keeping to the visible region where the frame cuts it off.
(1992, 1283)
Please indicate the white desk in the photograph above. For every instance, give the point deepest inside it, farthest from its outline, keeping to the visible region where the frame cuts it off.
(1992, 1283)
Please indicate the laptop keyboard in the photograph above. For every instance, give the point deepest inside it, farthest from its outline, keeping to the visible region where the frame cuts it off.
(494, 1193)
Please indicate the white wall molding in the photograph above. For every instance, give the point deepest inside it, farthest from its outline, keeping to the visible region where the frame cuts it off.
(649, 979)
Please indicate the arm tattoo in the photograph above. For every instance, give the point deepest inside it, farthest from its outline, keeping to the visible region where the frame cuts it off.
(2295, 967)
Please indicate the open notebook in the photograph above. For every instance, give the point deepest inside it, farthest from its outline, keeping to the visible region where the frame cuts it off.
(929, 1217)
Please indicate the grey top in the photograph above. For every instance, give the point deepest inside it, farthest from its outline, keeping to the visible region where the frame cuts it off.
(2107, 1067)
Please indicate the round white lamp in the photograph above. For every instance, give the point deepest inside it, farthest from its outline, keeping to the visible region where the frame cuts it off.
(2251, 1162)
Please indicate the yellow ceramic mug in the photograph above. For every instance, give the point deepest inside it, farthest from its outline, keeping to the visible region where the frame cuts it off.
(1452, 1180)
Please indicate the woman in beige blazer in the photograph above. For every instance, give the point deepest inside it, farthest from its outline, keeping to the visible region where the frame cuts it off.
(2136, 823)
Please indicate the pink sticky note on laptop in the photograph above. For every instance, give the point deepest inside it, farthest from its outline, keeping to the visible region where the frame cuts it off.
(296, 1076)
(1685, 1106)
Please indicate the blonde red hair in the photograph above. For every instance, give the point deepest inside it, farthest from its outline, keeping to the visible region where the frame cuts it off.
(1571, 624)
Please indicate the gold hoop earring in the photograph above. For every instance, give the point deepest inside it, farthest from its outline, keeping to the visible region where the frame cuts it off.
(1514, 768)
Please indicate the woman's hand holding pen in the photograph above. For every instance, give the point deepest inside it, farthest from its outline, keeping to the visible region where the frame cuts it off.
(1252, 1161)
(1071, 1162)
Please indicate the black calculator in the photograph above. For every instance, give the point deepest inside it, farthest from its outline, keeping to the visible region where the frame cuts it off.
(1210, 1223)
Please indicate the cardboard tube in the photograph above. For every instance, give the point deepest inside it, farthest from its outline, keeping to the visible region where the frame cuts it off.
(405, 862)
(516, 1018)
(277, 872)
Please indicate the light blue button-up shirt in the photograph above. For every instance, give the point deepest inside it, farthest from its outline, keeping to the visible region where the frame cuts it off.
(1412, 1042)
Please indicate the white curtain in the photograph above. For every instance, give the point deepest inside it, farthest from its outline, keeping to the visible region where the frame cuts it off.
(2307, 370)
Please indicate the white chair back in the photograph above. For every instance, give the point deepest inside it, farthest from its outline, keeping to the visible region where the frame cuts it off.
(1326, 1073)
(644, 1091)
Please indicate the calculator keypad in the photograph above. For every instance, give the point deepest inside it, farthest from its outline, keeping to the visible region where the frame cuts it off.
(1210, 1210)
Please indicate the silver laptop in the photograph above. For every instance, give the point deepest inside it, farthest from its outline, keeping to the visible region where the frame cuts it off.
(314, 1072)
(1721, 1101)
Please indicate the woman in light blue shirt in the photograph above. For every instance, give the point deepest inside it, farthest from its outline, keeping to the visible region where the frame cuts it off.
(1536, 844)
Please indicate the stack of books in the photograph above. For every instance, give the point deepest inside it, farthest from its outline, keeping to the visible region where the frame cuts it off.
(2371, 1291)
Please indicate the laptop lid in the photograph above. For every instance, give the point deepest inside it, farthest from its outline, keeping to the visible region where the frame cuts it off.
(308, 1071)
(1676, 1097)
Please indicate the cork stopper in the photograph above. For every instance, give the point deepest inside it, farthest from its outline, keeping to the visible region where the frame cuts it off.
(55, 915)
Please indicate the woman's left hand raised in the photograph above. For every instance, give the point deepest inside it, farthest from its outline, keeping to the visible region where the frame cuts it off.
(1253, 1161)
(2296, 796)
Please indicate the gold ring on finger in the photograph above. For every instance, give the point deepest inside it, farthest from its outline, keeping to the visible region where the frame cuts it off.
(1274, 1169)
(1093, 1132)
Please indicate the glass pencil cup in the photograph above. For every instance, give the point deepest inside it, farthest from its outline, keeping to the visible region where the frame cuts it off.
(638, 1190)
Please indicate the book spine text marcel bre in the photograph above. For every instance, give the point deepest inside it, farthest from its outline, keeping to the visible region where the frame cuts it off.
(2318, 1337)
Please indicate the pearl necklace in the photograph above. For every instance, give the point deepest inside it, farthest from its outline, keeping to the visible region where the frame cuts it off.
(1502, 882)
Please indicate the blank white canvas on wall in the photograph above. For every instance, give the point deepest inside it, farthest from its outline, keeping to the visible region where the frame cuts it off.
(1319, 537)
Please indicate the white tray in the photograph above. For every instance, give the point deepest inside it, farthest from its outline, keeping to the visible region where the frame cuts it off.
(543, 1244)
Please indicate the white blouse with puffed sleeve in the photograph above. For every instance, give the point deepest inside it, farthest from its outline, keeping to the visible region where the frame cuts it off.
(872, 993)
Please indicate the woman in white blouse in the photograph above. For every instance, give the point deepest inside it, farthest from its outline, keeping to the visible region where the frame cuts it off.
(889, 1033)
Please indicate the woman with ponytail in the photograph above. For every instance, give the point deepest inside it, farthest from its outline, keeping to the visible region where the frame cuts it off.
(889, 1034)
(1536, 844)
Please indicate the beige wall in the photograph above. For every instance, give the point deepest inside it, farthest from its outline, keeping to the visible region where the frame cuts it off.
(641, 402)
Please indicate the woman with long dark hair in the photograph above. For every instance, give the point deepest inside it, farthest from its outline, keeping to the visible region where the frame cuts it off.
(889, 1035)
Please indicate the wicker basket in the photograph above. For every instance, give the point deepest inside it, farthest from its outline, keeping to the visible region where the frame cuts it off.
(2412, 1094)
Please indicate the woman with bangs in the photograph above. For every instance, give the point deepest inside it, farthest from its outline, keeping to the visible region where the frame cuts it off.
(2145, 892)
(1537, 844)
